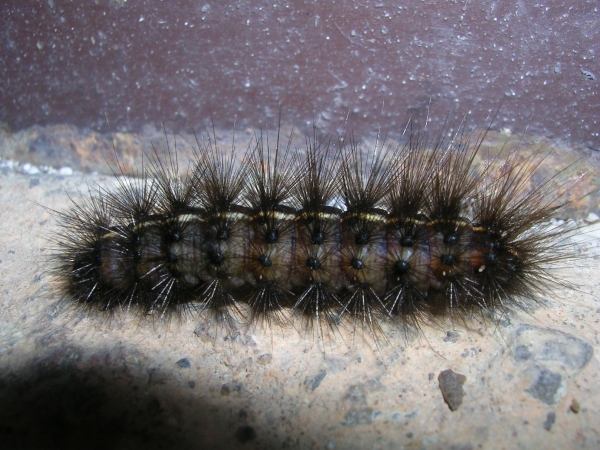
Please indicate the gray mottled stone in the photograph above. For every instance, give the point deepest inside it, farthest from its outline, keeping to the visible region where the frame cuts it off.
(314, 381)
(548, 346)
(546, 387)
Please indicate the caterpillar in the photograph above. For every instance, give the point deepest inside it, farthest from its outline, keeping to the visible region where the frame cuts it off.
(326, 232)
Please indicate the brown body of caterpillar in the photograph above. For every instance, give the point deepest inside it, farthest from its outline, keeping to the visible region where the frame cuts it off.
(422, 233)
(296, 251)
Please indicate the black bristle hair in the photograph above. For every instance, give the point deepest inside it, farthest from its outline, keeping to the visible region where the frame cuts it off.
(317, 234)
(366, 178)
(81, 229)
(514, 236)
(407, 237)
(218, 186)
(271, 180)
(406, 233)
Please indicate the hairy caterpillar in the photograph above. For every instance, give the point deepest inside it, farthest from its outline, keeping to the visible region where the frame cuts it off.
(400, 232)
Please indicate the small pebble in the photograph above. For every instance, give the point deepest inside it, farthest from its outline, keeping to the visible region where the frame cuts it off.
(575, 406)
(451, 385)
(550, 419)
(184, 363)
(66, 171)
(30, 169)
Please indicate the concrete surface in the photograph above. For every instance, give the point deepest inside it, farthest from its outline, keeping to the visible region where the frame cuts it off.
(68, 380)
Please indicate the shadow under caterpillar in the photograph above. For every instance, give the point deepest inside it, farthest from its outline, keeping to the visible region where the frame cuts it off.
(406, 233)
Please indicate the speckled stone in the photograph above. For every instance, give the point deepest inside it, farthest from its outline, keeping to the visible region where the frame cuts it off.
(70, 378)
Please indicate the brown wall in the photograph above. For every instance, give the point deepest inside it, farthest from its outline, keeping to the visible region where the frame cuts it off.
(143, 62)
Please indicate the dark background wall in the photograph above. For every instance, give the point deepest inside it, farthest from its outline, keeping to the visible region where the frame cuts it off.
(150, 61)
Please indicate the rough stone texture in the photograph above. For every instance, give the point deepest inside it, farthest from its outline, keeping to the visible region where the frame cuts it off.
(546, 387)
(551, 348)
(313, 382)
(68, 379)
